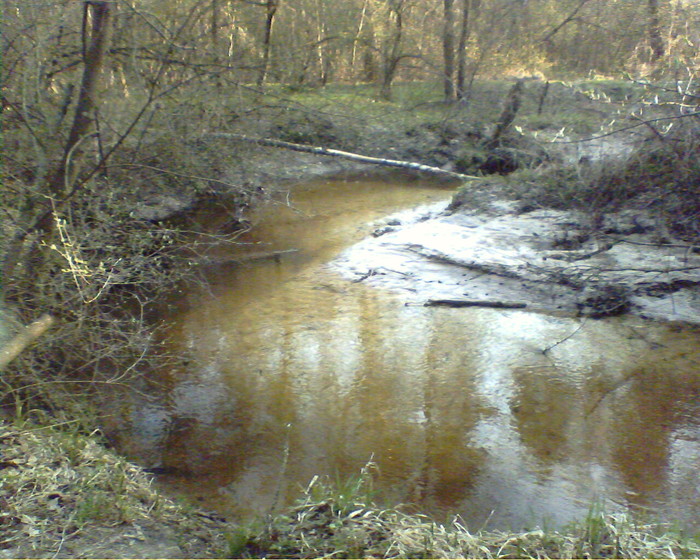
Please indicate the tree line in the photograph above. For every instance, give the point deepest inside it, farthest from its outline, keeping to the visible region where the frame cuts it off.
(314, 42)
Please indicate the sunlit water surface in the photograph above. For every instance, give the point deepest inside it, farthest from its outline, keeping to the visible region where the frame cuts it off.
(294, 371)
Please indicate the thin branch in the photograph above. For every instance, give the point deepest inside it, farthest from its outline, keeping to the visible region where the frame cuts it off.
(571, 17)
(623, 129)
(170, 172)
(563, 340)
(658, 245)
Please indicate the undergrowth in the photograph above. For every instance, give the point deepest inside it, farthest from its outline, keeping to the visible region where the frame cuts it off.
(659, 177)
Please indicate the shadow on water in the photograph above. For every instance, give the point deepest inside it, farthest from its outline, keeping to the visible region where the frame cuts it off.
(294, 372)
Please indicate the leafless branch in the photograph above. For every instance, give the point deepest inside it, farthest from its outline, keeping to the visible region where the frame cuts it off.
(626, 128)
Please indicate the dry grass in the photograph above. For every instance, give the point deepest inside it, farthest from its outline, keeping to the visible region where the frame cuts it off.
(59, 489)
(62, 494)
(331, 523)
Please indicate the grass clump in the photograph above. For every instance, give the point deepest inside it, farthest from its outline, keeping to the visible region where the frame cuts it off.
(60, 489)
(330, 522)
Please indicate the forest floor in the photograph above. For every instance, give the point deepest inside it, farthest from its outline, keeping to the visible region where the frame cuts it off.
(65, 494)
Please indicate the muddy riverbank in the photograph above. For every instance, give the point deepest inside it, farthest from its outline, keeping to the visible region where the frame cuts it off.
(547, 260)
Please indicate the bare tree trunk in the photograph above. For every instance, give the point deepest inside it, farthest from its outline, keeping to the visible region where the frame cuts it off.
(656, 42)
(323, 60)
(215, 25)
(448, 51)
(93, 58)
(392, 51)
(462, 50)
(271, 10)
(470, 10)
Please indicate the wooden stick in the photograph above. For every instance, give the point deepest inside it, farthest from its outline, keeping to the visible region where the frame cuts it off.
(28, 335)
(249, 257)
(474, 303)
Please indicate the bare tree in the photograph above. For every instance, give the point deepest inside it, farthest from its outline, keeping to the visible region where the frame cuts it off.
(36, 214)
(656, 42)
(448, 51)
(469, 10)
(270, 11)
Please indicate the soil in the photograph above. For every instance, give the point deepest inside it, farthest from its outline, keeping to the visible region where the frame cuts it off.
(547, 260)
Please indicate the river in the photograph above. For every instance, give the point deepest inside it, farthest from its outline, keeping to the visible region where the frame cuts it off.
(506, 418)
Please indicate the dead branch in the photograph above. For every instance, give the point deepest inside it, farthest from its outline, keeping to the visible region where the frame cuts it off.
(28, 335)
(246, 258)
(571, 17)
(511, 106)
(321, 151)
(474, 303)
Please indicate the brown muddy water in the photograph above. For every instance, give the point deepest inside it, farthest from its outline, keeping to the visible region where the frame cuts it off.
(293, 371)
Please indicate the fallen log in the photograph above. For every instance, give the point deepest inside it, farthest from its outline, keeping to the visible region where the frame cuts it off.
(474, 303)
(321, 151)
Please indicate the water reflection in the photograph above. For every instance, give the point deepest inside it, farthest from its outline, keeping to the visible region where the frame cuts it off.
(296, 372)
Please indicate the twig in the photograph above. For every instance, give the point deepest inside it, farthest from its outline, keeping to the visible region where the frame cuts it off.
(659, 245)
(563, 340)
(612, 389)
